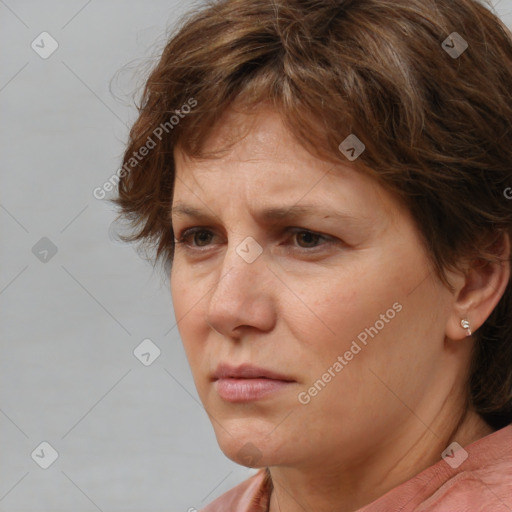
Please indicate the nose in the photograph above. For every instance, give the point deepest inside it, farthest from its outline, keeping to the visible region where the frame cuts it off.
(243, 295)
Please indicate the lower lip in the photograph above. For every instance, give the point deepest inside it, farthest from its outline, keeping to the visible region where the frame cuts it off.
(246, 390)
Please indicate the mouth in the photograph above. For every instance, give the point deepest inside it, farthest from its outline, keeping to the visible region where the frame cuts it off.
(248, 383)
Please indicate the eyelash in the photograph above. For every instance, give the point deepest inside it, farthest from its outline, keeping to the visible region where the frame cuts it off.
(185, 235)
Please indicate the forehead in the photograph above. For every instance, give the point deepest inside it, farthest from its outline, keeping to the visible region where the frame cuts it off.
(262, 161)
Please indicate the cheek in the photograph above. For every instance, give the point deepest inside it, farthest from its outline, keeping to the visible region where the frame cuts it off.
(188, 308)
(382, 333)
(186, 291)
(335, 309)
(367, 315)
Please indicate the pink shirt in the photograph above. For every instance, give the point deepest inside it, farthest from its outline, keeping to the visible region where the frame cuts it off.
(481, 483)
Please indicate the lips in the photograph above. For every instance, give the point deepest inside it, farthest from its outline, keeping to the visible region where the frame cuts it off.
(246, 371)
(247, 383)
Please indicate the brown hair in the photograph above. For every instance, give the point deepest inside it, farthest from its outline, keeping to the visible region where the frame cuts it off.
(436, 125)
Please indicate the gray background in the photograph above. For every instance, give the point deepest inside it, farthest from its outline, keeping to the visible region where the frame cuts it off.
(129, 437)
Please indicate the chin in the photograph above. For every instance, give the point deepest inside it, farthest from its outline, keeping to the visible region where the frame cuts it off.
(247, 447)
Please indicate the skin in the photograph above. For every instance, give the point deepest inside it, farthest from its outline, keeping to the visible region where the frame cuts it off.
(398, 403)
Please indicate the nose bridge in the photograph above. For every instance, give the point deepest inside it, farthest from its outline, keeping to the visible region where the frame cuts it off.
(242, 270)
(238, 296)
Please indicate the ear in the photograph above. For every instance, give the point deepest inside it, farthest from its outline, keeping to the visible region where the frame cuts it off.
(478, 290)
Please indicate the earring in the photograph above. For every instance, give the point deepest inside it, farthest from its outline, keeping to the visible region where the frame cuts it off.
(465, 325)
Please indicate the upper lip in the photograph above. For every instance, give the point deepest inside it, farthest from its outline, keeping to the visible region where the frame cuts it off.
(246, 371)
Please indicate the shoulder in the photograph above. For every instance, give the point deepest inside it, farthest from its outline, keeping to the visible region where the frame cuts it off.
(479, 479)
(484, 479)
(482, 482)
(245, 497)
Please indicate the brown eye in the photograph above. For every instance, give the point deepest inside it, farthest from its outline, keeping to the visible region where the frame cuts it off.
(310, 239)
(195, 237)
(201, 236)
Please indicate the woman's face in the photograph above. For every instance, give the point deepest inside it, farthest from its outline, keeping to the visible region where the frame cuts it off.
(332, 297)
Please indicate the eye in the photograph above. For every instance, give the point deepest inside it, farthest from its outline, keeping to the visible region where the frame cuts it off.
(205, 235)
(197, 237)
(310, 238)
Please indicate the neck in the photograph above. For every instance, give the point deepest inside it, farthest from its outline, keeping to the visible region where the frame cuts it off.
(335, 487)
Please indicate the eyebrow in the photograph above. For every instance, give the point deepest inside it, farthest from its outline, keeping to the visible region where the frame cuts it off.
(270, 214)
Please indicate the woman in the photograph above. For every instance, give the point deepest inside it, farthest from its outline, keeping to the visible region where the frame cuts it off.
(326, 182)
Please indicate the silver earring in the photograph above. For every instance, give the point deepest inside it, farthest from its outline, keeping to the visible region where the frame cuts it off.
(465, 325)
